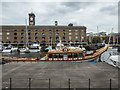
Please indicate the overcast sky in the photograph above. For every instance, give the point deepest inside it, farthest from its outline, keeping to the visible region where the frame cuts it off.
(90, 14)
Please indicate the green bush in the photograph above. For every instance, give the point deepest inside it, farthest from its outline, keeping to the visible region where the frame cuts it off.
(96, 40)
(53, 46)
(75, 45)
(43, 48)
(87, 47)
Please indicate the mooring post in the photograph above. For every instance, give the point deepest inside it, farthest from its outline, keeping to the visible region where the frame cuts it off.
(10, 83)
(119, 48)
(69, 83)
(100, 58)
(49, 83)
(118, 77)
(110, 84)
(29, 83)
(89, 83)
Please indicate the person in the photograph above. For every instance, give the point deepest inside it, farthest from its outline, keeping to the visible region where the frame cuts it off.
(94, 51)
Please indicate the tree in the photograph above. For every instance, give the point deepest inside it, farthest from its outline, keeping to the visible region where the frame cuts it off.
(96, 40)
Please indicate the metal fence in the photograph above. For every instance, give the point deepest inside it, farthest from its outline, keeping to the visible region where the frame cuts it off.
(49, 84)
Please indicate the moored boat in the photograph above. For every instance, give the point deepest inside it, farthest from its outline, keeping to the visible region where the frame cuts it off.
(24, 50)
(68, 54)
(115, 60)
(6, 50)
(35, 48)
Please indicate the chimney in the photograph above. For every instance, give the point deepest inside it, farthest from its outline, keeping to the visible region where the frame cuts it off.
(70, 24)
(56, 23)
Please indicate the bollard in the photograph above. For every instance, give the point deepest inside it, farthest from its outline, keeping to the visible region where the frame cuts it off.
(49, 83)
(110, 84)
(89, 84)
(100, 58)
(118, 48)
(10, 83)
(69, 83)
(29, 83)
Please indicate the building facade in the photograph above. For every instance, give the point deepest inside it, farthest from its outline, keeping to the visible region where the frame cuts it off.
(43, 34)
(114, 37)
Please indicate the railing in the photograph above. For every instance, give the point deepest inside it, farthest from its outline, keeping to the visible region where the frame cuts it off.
(49, 84)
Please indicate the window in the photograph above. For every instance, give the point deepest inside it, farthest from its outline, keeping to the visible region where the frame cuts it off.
(76, 30)
(36, 34)
(36, 38)
(31, 22)
(15, 33)
(76, 37)
(70, 30)
(69, 37)
(36, 30)
(21, 42)
(82, 30)
(29, 33)
(15, 42)
(31, 18)
(7, 30)
(57, 37)
(22, 30)
(7, 37)
(8, 33)
(50, 37)
(29, 30)
(29, 37)
(43, 33)
(22, 38)
(82, 37)
(63, 37)
(50, 34)
(43, 37)
(0, 33)
(82, 33)
(57, 33)
(0, 37)
(63, 34)
(22, 33)
(15, 37)
(76, 33)
(15, 30)
(70, 33)
(43, 30)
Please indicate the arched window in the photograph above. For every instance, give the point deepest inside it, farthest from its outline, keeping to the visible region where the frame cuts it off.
(36, 34)
(15, 33)
(8, 42)
(21, 42)
(15, 42)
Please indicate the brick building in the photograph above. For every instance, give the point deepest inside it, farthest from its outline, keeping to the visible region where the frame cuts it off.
(43, 34)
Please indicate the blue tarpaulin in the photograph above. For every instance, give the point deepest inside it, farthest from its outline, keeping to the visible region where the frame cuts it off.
(46, 48)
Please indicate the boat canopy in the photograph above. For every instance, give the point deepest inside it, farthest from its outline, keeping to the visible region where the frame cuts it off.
(66, 50)
(59, 44)
(115, 58)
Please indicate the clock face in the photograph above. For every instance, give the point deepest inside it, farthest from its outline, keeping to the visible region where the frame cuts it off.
(31, 18)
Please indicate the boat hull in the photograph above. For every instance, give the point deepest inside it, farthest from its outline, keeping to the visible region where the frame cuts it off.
(6, 51)
(34, 50)
(96, 59)
(115, 60)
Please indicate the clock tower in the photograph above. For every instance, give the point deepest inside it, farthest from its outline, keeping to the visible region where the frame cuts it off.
(31, 19)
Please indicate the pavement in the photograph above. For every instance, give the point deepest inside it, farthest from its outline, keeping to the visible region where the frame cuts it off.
(59, 75)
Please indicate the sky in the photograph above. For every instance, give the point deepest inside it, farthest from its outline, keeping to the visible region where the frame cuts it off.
(89, 14)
